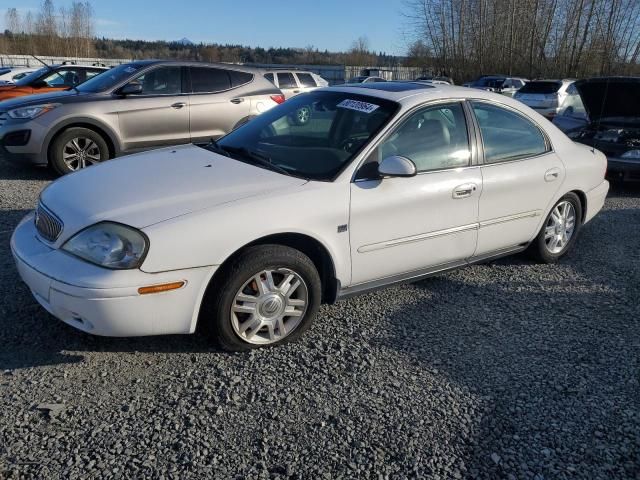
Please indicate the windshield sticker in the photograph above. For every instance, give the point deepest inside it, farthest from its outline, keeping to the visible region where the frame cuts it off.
(358, 106)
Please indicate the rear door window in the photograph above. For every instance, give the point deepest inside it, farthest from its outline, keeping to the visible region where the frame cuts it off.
(507, 135)
(286, 80)
(306, 80)
(209, 80)
(269, 76)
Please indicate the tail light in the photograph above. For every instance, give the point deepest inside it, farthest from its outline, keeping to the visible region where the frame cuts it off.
(278, 98)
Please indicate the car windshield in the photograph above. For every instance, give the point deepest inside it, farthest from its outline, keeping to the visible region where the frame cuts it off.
(541, 87)
(109, 78)
(491, 82)
(26, 80)
(312, 136)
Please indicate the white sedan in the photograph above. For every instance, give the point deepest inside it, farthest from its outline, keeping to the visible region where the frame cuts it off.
(388, 182)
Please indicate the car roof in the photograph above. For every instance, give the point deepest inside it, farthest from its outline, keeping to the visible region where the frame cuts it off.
(227, 66)
(64, 65)
(413, 93)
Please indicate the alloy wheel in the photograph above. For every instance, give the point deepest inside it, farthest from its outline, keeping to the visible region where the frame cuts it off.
(269, 306)
(80, 152)
(560, 227)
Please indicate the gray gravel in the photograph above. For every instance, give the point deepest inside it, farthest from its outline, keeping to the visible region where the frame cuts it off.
(503, 371)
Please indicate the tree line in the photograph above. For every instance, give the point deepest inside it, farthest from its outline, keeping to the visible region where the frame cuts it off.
(458, 38)
(530, 38)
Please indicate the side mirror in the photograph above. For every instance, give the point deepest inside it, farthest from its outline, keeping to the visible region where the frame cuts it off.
(397, 166)
(131, 89)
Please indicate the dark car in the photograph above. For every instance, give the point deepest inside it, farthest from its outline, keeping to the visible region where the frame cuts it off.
(606, 116)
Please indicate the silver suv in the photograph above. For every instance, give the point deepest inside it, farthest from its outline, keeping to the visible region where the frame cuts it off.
(132, 107)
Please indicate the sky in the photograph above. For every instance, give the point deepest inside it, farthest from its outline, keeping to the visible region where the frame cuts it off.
(324, 24)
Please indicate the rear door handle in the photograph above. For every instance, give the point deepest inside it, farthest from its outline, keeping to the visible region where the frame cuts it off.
(464, 191)
(551, 175)
(178, 105)
(237, 100)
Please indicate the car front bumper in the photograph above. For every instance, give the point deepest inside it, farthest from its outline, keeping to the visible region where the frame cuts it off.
(33, 151)
(78, 293)
(623, 169)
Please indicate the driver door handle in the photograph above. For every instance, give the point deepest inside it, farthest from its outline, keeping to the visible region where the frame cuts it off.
(464, 191)
(178, 105)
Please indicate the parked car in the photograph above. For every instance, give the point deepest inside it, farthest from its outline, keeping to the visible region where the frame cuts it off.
(132, 107)
(49, 79)
(246, 236)
(606, 115)
(547, 97)
(438, 80)
(293, 83)
(366, 79)
(500, 84)
(12, 74)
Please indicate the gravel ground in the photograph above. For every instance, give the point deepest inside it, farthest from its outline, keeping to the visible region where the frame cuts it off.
(509, 370)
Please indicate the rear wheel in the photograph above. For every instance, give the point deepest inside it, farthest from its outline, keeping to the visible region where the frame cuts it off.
(268, 295)
(301, 116)
(77, 148)
(559, 231)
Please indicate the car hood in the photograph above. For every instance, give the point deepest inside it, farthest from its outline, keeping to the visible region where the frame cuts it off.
(610, 97)
(148, 188)
(61, 96)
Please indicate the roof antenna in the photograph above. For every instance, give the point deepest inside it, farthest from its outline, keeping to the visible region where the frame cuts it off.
(54, 71)
(604, 100)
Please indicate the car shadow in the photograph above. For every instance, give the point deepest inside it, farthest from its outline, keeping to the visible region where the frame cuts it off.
(528, 343)
(16, 171)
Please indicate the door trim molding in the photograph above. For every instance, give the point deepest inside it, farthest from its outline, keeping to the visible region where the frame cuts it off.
(510, 218)
(416, 238)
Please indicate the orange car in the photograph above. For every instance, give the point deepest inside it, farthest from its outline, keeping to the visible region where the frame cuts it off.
(49, 79)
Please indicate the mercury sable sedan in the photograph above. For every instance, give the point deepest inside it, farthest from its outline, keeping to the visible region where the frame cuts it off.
(246, 236)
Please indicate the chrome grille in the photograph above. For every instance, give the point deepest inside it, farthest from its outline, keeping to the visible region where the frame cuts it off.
(48, 225)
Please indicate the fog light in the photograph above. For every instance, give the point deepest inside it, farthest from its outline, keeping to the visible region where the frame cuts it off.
(165, 287)
(17, 139)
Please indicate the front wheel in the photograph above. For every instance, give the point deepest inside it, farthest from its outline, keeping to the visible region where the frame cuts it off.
(77, 148)
(268, 295)
(559, 231)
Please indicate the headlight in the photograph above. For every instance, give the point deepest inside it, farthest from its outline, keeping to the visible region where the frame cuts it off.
(28, 113)
(109, 245)
(633, 154)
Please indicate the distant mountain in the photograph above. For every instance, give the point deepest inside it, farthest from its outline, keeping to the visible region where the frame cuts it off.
(185, 41)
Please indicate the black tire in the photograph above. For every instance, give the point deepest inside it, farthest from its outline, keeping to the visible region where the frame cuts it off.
(301, 116)
(57, 149)
(215, 317)
(538, 248)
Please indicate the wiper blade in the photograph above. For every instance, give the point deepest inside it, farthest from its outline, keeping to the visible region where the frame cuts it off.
(258, 158)
(214, 147)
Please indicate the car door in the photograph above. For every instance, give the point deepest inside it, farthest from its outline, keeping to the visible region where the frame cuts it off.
(411, 224)
(216, 107)
(287, 84)
(157, 116)
(521, 175)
